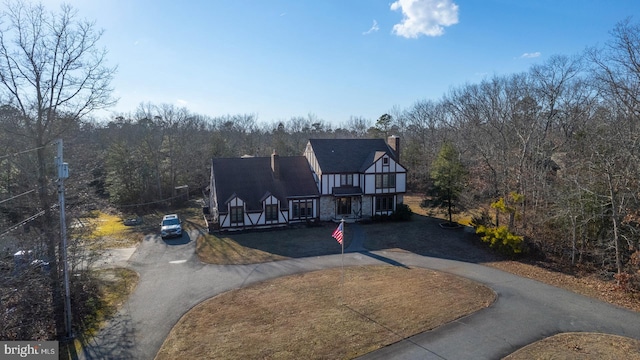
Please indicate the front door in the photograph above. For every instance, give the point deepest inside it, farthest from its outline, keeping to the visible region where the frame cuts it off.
(344, 206)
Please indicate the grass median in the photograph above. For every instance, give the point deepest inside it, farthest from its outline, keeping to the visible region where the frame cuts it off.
(318, 316)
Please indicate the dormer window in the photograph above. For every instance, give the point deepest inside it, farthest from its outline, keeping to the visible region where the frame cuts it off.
(385, 160)
(271, 212)
(237, 214)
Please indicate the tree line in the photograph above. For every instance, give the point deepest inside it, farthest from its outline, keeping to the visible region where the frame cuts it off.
(555, 148)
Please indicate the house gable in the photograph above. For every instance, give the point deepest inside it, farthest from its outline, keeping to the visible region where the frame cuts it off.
(342, 166)
(357, 177)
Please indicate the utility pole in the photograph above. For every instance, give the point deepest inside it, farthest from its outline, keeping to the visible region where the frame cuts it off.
(63, 173)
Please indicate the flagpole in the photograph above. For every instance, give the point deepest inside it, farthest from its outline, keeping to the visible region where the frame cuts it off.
(342, 256)
(338, 234)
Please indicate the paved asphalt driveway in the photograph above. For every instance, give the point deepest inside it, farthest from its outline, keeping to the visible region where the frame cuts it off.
(172, 281)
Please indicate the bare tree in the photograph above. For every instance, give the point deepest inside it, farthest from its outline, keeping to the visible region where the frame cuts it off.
(616, 67)
(616, 74)
(53, 72)
(357, 125)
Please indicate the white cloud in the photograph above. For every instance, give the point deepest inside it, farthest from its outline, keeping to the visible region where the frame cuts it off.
(424, 17)
(373, 28)
(181, 102)
(530, 55)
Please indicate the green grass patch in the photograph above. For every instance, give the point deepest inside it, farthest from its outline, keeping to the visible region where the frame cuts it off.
(107, 225)
(102, 230)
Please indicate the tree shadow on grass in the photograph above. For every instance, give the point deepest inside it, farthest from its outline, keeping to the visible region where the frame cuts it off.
(114, 341)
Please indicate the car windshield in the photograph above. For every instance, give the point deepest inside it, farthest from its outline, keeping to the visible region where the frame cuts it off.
(169, 222)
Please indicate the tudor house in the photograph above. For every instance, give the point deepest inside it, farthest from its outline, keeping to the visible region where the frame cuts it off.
(336, 179)
(357, 178)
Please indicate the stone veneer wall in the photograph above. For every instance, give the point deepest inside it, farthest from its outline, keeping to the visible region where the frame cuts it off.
(327, 208)
(367, 206)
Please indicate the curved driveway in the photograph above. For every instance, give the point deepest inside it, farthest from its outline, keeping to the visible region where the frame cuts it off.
(173, 280)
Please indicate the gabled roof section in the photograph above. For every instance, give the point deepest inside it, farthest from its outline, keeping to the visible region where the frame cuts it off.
(252, 180)
(348, 155)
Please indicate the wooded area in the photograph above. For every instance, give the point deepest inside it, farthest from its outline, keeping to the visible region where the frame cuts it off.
(556, 146)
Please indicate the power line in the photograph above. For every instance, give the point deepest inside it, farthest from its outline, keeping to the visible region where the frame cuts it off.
(153, 202)
(21, 152)
(22, 223)
(16, 196)
(25, 221)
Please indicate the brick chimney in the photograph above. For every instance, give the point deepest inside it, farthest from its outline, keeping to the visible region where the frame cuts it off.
(394, 143)
(275, 164)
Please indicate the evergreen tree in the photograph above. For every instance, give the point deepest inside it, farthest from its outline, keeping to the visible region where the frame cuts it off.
(448, 174)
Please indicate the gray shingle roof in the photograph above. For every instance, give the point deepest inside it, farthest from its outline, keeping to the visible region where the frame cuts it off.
(348, 155)
(251, 179)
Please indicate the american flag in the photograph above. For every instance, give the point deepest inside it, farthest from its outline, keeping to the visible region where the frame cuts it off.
(338, 233)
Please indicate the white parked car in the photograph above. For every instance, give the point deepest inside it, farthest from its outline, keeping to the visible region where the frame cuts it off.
(171, 226)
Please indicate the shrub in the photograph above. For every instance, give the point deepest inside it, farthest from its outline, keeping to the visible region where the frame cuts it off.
(403, 213)
(380, 218)
(501, 239)
(484, 219)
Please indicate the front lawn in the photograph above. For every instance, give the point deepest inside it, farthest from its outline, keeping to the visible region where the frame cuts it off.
(269, 245)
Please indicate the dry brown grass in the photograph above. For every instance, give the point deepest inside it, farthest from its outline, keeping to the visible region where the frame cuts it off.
(314, 316)
(580, 346)
(263, 246)
(116, 285)
(415, 200)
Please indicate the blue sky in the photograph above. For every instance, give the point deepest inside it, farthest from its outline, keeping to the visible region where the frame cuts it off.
(332, 58)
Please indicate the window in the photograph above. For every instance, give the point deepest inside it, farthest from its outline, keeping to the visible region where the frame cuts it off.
(302, 209)
(384, 203)
(346, 179)
(237, 214)
(344, 206)
(384, 181)
(385, 161)
(271, 212)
